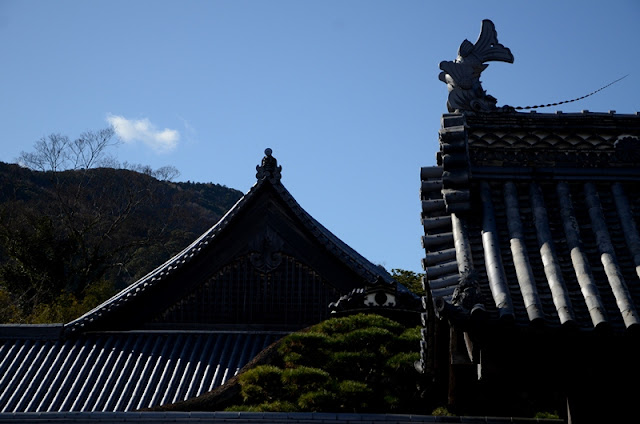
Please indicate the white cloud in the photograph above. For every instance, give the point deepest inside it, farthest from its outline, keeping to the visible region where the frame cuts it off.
(134, 130)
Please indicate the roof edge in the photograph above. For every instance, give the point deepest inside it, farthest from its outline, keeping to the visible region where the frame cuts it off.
(31, 331)
(267, 173)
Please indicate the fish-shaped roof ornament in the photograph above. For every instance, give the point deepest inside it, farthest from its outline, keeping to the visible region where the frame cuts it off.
(462, 76)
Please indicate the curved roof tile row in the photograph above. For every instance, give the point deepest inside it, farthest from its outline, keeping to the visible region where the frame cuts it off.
(545, 248)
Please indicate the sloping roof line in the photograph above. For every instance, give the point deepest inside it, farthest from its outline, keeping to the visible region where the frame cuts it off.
(352, 259)
(440, 263)
(558, 120)
(120, 371)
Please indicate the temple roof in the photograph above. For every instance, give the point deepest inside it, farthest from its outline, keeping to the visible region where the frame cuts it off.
(126, 354)
(268, 185)
(118, 371)
(533, 219)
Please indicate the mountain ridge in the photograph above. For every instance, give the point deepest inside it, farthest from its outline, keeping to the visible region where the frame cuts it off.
(70, 238)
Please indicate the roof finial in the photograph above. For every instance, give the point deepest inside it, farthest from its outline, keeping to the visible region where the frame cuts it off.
(462, 76)
(269, 167)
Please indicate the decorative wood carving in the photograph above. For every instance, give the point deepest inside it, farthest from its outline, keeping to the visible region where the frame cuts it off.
(266, 249)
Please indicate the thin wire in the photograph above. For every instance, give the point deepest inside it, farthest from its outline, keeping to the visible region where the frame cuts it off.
(573, 100)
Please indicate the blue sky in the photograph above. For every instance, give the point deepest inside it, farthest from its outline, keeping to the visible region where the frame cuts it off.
(346, 93)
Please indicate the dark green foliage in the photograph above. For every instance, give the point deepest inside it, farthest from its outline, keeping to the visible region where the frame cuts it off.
(547, 415)
(403, 361)
(360, 363)
(70, 238)
(408, 339)
(354, 395)
(409, 279)
(261, 384)
(301, 379)
(354, 365)
(317, 401)
(356, 322)
(277, 406)
(366, 339)
(442, 411)
(8, 310)
(67, 307)
(299, 349)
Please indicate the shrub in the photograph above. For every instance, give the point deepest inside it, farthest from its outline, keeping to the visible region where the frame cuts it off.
(260, 384)
(403, 361)
(292, 359)
(351, 365)
(441, 411)
(392, 403)
(401, 386)
(547, 415)
(316, 401)
(355, 322)
(304, 349)
(241, 408)
(354, 395)
(359, 363)
(276, 406)
(408, 341)
(252, 393)
(304, 379)
(9, 311)
(371, 339)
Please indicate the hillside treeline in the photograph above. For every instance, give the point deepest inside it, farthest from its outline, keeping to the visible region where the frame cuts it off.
(71, 238)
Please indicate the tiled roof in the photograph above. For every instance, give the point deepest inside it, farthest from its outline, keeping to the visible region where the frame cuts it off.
(534, 219)
(86, 365)
(119, 371)
(367, 271)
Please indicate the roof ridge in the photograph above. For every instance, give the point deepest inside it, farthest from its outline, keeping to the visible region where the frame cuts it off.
(268, 172)
(157, 274)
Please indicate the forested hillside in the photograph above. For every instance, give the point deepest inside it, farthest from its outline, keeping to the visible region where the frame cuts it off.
(69, 239)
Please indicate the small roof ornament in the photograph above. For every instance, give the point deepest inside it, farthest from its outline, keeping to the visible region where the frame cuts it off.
(462, 76)
(269, 167)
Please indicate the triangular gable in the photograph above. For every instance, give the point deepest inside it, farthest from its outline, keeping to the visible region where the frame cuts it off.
(266, 249)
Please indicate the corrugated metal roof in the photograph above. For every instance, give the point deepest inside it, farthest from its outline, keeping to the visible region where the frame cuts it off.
(120, 371)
